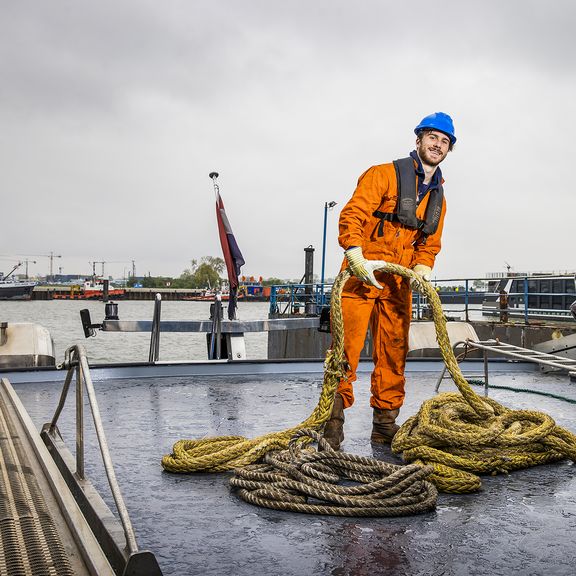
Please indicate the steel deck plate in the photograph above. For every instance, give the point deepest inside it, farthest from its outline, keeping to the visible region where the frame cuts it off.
(522, 523)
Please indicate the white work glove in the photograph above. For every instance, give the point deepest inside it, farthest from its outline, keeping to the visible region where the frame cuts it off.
(424, 271)
(361, 268)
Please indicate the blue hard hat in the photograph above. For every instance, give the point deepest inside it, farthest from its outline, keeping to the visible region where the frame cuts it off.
(437, 121)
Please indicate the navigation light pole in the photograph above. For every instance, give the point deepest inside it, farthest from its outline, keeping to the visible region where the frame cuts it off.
(327, 206)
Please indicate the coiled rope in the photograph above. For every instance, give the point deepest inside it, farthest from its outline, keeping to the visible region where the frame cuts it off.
(309, 481)
(459, 434)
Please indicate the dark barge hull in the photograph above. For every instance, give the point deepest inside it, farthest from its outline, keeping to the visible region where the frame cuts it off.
(522, 523)
(16, 292)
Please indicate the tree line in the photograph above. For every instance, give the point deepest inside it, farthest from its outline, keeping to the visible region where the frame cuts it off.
(203, 274)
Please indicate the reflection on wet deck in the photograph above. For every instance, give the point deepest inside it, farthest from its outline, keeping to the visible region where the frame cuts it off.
(522, 523)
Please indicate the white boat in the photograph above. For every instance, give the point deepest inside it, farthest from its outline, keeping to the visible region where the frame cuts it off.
(11, 289)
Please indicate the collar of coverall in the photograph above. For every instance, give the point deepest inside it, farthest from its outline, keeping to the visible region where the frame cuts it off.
(434, 182)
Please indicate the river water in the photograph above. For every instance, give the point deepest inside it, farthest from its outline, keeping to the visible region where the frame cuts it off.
(62, 319)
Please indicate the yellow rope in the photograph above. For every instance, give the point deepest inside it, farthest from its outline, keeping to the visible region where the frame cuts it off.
(221, 453)
(462, 435)
(459, 434)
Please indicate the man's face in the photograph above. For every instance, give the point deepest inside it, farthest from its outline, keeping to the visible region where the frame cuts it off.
(432, 147)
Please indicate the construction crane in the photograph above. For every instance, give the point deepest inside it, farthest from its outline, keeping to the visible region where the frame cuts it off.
(93, 264)
(51, 256)
(26, 262)
(103, 262)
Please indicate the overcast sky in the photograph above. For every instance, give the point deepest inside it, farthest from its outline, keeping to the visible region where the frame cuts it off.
(113, 113)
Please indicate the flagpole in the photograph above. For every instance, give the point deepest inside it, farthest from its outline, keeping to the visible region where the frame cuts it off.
(214, 176)
(232, 255)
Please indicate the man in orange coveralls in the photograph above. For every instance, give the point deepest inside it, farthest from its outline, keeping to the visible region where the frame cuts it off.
(395, 215)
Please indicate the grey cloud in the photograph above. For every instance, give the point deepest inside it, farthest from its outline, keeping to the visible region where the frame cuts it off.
(71, 55)
(116, 111)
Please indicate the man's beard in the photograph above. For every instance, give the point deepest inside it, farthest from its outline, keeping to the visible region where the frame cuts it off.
(430, 160)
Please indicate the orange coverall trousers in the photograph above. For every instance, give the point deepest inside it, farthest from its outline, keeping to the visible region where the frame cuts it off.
(388, 313)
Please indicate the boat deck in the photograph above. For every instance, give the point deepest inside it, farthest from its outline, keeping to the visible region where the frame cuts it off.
(522, 523)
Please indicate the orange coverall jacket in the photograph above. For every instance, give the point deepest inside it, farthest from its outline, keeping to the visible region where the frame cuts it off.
(387, 311)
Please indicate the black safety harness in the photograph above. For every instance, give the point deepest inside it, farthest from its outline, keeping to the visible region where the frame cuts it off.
(406, 208)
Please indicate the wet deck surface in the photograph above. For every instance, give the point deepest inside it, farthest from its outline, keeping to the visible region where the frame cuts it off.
(524, 523)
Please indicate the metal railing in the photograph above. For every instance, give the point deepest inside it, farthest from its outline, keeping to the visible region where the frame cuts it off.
(225, 338)
(154, 351)
(215, 343)
(532, 299)
(76, 362)
(517, 353)
(288, 299)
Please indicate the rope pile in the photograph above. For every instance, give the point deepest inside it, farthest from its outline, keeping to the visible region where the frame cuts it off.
(459, 434)
(462, 435)
(309, 481)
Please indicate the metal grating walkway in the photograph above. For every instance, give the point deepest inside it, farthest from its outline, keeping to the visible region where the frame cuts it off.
(29, 542)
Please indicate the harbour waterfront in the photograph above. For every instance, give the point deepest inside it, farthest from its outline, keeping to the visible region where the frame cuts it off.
(62, 319)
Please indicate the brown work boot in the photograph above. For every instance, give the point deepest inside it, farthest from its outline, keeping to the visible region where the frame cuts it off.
(334, 428)
(384, 425)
